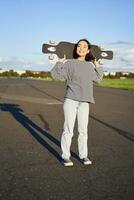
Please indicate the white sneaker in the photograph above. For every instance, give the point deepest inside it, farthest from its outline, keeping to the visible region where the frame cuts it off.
(67, 162)
(86, 161)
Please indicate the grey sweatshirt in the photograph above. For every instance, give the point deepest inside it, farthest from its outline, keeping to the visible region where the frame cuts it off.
(79, 76)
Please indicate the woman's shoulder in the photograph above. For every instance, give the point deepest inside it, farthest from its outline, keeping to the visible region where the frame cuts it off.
(91, 64)
(74, 61)
(77, 62)
(71, 60)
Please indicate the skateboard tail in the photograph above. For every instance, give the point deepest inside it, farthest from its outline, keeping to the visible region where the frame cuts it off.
(101, 54)
(106, 55)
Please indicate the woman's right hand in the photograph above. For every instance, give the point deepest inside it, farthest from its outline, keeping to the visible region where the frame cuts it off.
(62, 59)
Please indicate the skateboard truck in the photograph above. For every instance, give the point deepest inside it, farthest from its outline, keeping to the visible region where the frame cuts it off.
(51, 49)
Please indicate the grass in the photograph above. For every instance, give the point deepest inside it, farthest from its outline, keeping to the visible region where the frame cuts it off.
(42, 79)
(127, 84)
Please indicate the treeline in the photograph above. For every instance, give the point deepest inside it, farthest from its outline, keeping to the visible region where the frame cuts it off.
(41, 74)
(10, 73)
(47, 74)
(26, 74)
(119, 75)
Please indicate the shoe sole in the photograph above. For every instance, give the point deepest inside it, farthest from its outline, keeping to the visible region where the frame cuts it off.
(88, 163)
(68, 164)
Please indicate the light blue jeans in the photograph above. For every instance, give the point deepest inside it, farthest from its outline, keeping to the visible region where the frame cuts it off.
(73, 109)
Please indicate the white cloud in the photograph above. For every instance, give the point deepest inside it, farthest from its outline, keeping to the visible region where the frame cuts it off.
(123, 59)
(22, 63)
(120, 42)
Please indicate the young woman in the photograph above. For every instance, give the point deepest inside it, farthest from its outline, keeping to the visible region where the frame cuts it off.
(79, 74)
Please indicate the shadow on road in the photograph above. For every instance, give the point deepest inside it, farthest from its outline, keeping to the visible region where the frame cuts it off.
(125, 134)
(33, 128)
(43, 92)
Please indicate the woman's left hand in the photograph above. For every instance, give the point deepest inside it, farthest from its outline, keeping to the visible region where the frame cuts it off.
(97, 63)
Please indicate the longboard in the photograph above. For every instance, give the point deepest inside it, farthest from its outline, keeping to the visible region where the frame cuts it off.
(67, 48)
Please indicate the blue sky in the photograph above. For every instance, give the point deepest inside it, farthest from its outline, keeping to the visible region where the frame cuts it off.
(26, 24)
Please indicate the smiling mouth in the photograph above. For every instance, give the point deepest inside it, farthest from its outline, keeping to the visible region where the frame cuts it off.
(81, 52)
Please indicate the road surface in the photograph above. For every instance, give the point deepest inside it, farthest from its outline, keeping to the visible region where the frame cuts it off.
(31, 121)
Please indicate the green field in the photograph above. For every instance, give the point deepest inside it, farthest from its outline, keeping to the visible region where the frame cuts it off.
(127, 84)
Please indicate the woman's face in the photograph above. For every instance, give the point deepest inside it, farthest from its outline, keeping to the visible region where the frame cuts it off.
(82, 49)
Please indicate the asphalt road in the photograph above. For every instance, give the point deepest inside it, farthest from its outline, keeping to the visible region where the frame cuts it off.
(31, 121)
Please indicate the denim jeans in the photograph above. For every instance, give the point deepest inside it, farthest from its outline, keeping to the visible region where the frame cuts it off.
(73, 109)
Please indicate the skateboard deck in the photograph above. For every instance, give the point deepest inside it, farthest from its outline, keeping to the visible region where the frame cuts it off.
(67, 48)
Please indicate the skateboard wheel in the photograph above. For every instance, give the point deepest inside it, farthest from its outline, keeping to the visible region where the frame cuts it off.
(51, 42)
(51, 57)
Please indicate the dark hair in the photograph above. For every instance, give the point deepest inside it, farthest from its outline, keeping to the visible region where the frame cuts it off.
(89, 56)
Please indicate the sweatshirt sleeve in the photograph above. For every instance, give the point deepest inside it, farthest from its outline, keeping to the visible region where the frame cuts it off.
(97, 73)
(60, 71)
